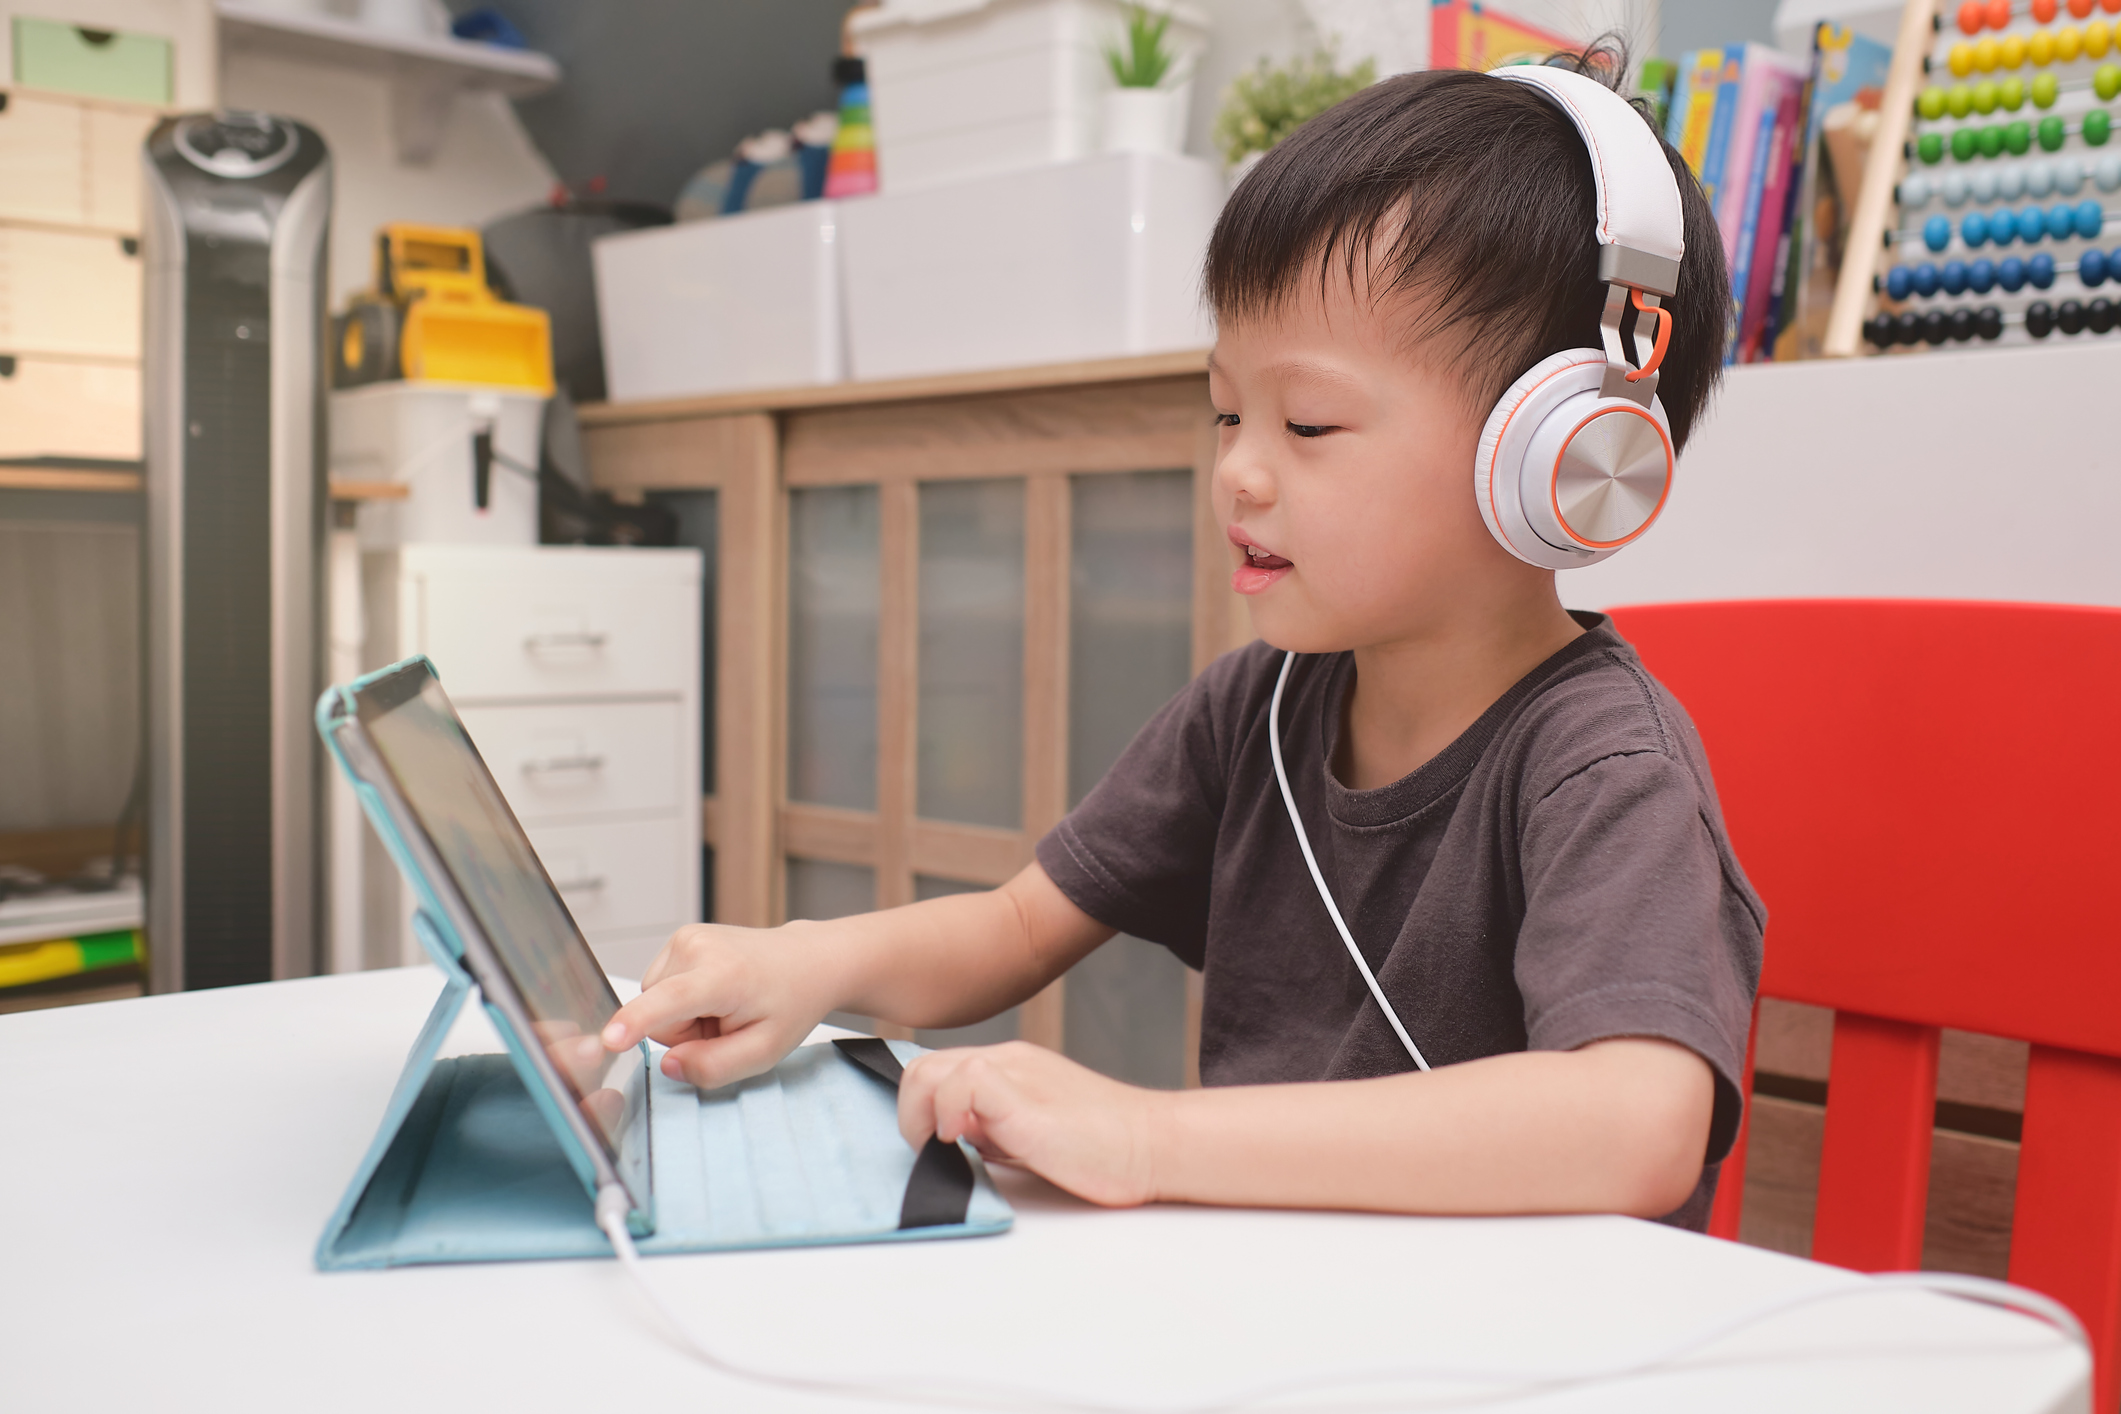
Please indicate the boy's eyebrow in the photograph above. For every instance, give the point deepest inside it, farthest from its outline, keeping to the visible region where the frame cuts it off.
(1302, 370)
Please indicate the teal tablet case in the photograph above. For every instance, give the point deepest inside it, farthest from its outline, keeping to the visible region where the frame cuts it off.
(471, 1163)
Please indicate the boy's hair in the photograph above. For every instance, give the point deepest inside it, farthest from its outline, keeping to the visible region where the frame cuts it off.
(1474, 196)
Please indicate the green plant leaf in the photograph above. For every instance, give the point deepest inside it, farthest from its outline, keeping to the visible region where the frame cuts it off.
(1145, 60)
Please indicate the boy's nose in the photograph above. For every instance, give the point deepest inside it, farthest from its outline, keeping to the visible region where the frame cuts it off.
(1241, 476)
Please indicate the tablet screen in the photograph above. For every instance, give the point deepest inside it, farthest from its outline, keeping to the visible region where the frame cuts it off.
(446, 786)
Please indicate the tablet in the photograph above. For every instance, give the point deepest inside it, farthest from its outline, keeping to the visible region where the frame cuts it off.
(487, 899)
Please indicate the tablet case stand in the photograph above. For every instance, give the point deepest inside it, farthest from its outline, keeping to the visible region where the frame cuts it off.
(465, 1166)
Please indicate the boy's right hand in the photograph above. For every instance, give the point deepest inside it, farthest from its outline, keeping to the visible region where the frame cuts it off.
(728, 1002)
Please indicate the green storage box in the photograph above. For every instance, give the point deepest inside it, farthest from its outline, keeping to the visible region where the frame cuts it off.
(96, 63)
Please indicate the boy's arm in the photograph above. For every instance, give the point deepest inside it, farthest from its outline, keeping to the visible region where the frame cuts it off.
(730, 1002)
(1617, 1126)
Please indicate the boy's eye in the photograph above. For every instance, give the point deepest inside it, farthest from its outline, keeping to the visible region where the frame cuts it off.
(1226, 419)
(1303, 429)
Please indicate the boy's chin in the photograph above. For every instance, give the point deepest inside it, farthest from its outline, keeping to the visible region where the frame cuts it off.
(1293, 630)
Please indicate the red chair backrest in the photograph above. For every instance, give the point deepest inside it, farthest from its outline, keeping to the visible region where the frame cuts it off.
(1927, 796)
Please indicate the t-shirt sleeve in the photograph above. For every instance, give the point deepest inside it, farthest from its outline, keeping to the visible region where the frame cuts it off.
(1138, 853)
(1631, 927)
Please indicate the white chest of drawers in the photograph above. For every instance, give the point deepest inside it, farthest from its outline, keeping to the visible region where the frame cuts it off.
(577, 671)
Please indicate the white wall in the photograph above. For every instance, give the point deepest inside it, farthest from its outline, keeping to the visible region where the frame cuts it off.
(485, 166)
(1972, 474)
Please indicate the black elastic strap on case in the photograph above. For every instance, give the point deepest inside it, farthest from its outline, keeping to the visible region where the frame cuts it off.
(940, 1189)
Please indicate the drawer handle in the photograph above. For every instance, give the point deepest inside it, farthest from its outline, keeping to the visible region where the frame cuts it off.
(576, 638)
(589, 884)
(563, 763)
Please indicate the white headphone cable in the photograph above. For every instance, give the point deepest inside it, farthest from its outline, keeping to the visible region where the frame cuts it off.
(612, 1205)
(1288, 798)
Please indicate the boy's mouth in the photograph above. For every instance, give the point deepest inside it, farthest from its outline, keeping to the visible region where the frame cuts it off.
(1261, 567)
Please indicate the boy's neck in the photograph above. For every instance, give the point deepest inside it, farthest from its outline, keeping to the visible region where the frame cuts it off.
(1414, 696)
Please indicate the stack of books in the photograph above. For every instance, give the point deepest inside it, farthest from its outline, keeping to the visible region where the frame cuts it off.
(1757, 127)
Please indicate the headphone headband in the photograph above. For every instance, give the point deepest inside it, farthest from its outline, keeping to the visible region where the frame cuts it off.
(1640, 231)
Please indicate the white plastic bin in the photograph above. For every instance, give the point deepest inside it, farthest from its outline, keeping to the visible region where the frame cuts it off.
(743, 302)
(1081, 260)
(422, 434)
(969, 88)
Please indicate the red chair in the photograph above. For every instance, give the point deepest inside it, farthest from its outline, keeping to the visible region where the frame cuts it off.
(1927, 795)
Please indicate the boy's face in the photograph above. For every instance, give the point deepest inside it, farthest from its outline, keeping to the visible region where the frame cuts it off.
(1348, 467)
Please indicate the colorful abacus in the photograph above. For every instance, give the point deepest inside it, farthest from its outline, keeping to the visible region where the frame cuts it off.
(2030, 180)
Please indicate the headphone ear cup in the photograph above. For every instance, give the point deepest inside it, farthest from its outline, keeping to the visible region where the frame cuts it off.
(1565, 477)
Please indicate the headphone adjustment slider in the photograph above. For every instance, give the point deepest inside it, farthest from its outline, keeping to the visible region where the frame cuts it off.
(1636, 379)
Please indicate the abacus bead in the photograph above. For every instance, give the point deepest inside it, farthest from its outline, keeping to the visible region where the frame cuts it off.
(2091, 268)
(1926, 279)
(1985, 55)
(2017, 138)
(1962, 324)
(2099, 315)
(1999, 13)
(2061, 220)
(1953, 187)
(1985, 97)
(2098, 38)
(1931, 103)
(2080, 8)
(1936, 327)
(1973, 229)
(1971, 18)
(2107, 82)
(2051, 134)
(2107, 174)
(2091, 220)
(1907, 327)
(2067, 43)
(1878, 331)
(1954, 277)
(1981, 276)
(1959, 101)
(1963, 145)
(1914, 191)
(2044, 11)
(2011, 53)
(2097, 127)
(2010, 273)
(2112, 7)
(2039, 179)
(2041, 50)
(1930, 148)
(2010, 181)
(2040, 271)
(2045, 90)
(1983, 184)
(2003, 226)
(2069, 174)
(1899, 283)
(2069, 317)
(2039, 319)
(2011, 94)
(1961, 59)
(1988, 322)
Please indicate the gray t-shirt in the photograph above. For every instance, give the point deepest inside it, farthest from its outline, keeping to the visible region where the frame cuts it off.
(1557, 875)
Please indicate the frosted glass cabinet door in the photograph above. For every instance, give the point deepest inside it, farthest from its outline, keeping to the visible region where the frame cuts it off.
(1130, 626)
(971, 710)
(832, 618)
(1130, 611)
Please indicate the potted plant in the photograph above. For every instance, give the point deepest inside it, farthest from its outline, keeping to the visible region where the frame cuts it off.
(1264, 106)
(1142, 113)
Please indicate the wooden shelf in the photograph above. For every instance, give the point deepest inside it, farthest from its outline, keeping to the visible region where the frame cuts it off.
(426, 73)
(370, 490)
(37, 478)
(896, 390)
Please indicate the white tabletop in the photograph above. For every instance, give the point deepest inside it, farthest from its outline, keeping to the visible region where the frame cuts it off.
(169, 1163)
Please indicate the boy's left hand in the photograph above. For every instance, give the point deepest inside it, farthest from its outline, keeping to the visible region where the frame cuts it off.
(1025, 1105)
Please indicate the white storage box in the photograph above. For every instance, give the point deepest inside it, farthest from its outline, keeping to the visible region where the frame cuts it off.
(742, 302)
(1080, 260)
(968, 88)
(424, 435)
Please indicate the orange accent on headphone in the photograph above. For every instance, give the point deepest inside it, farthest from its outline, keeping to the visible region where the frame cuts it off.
(1664, 335)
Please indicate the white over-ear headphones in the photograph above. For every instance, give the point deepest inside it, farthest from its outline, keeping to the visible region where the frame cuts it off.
(1576, 459)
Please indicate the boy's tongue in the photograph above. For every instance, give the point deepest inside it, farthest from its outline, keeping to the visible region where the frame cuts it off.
(1256, 558)
(1259, 571)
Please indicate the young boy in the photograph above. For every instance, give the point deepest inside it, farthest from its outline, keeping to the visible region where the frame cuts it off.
(1516, 820)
